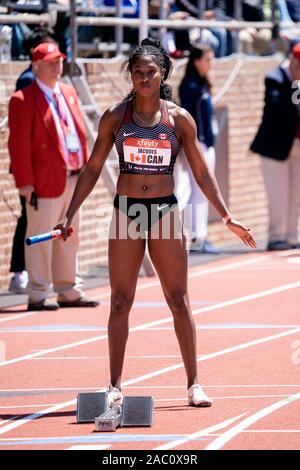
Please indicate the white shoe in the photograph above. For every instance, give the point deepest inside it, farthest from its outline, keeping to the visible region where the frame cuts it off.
(18, 283)
(114, 397)
(197, 397)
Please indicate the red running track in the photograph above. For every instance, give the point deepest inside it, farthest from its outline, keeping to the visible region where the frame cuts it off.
(248, 331)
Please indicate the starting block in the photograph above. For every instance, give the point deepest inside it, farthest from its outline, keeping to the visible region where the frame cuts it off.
(134, 412)
(110, 420)
(137, 411)
(90, 405)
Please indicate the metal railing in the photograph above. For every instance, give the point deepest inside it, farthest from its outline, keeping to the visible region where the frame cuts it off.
(27, 18)
(143, 23)
(3, 124)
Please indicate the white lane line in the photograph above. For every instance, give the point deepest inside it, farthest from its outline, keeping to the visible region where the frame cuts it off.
(61, 358)
(235, 430)
(146, 285)
(207, 386)
(214, 355)
(13, 407)
(218, 353)
(270, 268)
(270, 430)
(65, 389)
(201, 310)
(193, 272)
(202, 433)
(164, 387)
(90, 447)
(233, 397)
(20, 315)
(114, 437)
(206, 271)
(7, 420)
(139, 387)
(34, 405)
(141, 378)
(210, 327)
(27, 419)
(50, 331)
(97, 439)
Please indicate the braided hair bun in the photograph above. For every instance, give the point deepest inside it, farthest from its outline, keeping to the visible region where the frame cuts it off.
(155, 44)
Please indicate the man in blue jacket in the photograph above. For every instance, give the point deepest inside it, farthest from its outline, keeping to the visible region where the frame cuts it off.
(278, 143)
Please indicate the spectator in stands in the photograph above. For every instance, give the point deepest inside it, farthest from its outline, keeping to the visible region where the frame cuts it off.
(226, 42)
(289, 12)
(21, 31)
(223, 42)
(131, 10)
(195, 97)
(252, 10)
(245, 40)
(179, 42)
(19, 281)
(62, 28)
(293, 7)
(253, 40)
(19, 34)
(47, 146)
(278, 143)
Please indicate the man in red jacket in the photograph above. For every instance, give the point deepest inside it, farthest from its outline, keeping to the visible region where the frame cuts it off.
(48, 149)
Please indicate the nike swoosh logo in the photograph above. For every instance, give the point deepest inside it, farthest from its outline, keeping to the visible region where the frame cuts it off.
(131, 133)
(160, 208)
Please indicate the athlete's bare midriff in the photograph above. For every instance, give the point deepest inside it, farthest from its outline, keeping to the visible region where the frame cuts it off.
(143, 186)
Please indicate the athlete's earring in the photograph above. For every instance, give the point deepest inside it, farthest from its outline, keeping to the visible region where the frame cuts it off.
(162, 82)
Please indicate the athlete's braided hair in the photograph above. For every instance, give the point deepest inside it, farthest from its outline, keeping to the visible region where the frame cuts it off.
(151, 47)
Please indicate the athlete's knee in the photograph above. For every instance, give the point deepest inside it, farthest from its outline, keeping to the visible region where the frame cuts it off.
(120, 303)
(177, 299)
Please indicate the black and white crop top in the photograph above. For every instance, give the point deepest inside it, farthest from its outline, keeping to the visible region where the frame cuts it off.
(147, 150)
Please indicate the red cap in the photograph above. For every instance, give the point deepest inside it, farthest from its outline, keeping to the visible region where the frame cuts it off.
(46, 51)
(296, 51)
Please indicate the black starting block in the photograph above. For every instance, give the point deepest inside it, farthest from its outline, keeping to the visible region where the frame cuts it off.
(90, 405)
(137, 411)
(134, 412)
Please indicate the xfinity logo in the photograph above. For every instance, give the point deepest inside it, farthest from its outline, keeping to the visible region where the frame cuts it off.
(147, 143)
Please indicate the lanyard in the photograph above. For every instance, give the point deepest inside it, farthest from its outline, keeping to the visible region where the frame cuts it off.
(58, 106)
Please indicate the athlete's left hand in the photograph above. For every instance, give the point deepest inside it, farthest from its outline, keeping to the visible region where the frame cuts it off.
(242, 232)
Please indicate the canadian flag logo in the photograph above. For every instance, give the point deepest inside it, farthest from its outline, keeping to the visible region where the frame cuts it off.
(162, 136)
(138, 158)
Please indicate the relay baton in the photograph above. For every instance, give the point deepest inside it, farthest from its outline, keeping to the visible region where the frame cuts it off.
(43, 237)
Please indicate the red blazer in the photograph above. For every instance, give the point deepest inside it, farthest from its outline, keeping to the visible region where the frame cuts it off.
(34, 145)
